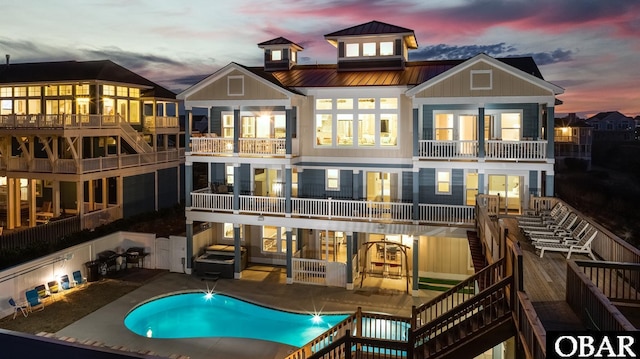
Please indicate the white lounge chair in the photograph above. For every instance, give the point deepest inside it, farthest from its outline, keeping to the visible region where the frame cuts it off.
(583, 245)
(557, 223)
(540, 216)
(563, 228)
(560, 236)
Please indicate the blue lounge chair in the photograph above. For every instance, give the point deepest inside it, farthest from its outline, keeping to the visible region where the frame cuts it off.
(78, 279)
(33, 300)
(18, 308)
(64, 282)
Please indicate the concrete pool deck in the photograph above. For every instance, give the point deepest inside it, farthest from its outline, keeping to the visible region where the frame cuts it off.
(260, 284)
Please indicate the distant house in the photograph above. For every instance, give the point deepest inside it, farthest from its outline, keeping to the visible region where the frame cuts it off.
(573, 139)
(612, 126)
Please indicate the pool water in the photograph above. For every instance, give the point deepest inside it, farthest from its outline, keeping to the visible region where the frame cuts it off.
(195, 315)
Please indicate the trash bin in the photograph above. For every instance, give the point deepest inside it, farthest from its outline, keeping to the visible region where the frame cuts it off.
(92, 271)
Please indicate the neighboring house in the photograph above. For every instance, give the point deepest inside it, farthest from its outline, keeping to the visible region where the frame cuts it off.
(573, 140)
(612, 126)
(85, 137)
(369, 165)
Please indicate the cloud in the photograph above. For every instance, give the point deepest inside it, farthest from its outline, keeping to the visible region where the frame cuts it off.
(444, 52)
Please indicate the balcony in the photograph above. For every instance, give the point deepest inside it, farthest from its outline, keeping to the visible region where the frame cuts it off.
(494, 150)
(248, 146)
(66, 121)
(394, 212)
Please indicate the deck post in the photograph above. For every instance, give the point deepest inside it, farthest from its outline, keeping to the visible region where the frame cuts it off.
(237, 252)
(349, 260)
(289, 259)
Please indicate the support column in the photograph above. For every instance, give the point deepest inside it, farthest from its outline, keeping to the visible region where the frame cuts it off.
(237, 251)
(356, 184)
(236, 132)
(550, 132)
(416, 195)
(236, 187)
(11, 206)
(188, 184)
(481, 188)
(55, 191)
(288, 132)
(189, 249)
(80, 198)
(105, 193)
(549, 190)
(289, 255)
(120, 194)
(187, 129)
(349, 260)
(416, 133)
(17, 202)
(31, 199)
(288, 178)
(481, 139)
(415, 267)
(92, 195)
(155, 184)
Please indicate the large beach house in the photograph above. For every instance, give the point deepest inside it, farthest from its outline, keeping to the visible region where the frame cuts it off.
(367, 166)
(89, 138)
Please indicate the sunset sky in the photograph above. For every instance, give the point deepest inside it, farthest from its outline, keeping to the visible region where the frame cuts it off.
(591, 48)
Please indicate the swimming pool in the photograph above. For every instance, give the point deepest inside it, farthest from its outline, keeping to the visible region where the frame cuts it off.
(197, 315)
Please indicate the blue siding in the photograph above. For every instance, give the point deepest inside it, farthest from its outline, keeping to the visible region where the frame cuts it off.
(346, 185)
(407, 187)
(427, 187)
(245, 179)
(139, 194)
(313, 183)
(218, 173)
(167, 191)
(215, 120)
(182, 183)
(534, 187)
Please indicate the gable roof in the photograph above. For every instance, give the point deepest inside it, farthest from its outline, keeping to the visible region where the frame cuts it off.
(101, 70)
(374, 28)
(524, 69)
(609, 116)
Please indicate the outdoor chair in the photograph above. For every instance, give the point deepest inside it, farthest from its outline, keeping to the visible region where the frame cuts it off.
(560, 237)
(549, 225)
(539, 216)
(64, 282)
(42, 291)
(33, 300)
(563, 227)
(78, 279)
(18, 308)
(54, 287)
(583, 245)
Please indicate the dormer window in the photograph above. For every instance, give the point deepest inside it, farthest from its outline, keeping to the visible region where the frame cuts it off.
(280, 54)
(294, 56)
(369, 49)
(353, 50)
(276, 55)
(386, 48)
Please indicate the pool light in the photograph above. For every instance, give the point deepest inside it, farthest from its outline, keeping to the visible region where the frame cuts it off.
(316, 319)
(149, 333)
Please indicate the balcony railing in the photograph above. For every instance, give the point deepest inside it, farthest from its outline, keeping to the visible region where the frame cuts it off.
(248, 146)
(335, 208)
(153, 122)
(45, 165)
(494, 149)
(75, 121)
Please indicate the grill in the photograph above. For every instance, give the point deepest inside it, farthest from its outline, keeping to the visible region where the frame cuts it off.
(107, 261)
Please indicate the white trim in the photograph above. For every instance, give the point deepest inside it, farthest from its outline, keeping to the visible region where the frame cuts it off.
(235, 77)
(481, 101)
(235, 104)
(554, 89)
(443, 170)
(326, 184)
(481, 72)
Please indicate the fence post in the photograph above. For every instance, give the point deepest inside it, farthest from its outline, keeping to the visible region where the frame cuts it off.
(347, 344)
(359, 322)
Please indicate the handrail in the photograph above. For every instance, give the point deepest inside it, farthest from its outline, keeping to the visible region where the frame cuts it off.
(620, 282)
(532, 334)
(488, 300)
(453, 297)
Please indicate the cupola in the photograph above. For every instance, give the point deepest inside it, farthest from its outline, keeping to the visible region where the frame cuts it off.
(280, 54)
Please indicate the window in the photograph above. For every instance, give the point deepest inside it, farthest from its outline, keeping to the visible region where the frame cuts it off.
(510, 123)
(122, 91)
(443, 182)
(235, 85)
(229, 172)
(386, 48)
(6, 91)
(6, 107)
(135, 93)
(108, 90)
(82, 90)
(345, 104)
(293, 56)
(227, 231)
(366, 103)
(248, 127)
(353, 50)
(443, 127)
(134, 111)
(324, 134)
(34, 106)
(324, 104)
(481, 80)
(345, 129)
(51, 91)
(279, 126)
(34, 91)
(227, 125)
(367, 129)
(389, 103)
(472, 188)
(369, 49)
(388, 129)
(333, 180)
(276, 55)
(20, 91)
(20, 107)
(66, 90)
(274, 239)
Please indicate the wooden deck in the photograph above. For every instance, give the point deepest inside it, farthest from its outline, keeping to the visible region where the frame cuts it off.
(545, 282)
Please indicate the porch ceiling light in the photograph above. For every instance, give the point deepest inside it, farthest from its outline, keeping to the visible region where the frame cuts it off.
(260, 218)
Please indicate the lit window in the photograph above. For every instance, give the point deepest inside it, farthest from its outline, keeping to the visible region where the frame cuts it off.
(345, 129)
(276, 55)
(51, 91)
(6, 107)
(472, 188)
(280, 126)
(444, 127)
(366, 103)
(122, 91)
(248, 124)
(108, 90)
(386, 48)
(369, 49)
(389, 129)
(229, 174)
(443, 182)
(333, 179)
(34, 90)
(20, 107)
(20, 91)
(353, 50)
(227, 125)
(134, 93)
(324, 135)
(6, 91)
(510, 123)
(274, 239)
(34, 106)
(228, 231)
(345, 104)
(82, 90)
(389, 103)
(293, 56)
(66, 90)
(366, 129)
(324, 104)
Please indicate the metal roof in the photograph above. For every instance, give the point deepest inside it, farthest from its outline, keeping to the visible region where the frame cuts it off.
(64, 71)
(279, 41)
(374, 28)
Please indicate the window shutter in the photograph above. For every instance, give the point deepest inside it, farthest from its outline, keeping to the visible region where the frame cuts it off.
(285, 54)
(341, 49)
(398, 47)
(267, 56)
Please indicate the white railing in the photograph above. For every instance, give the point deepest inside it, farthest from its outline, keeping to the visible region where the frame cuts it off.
(262, 146)
(331, 208)
(447, 149)
(152, 122)
(100, 217)
(78, 121)
(309, 271)
(211, 145)
(516, 150)
(447, 214)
